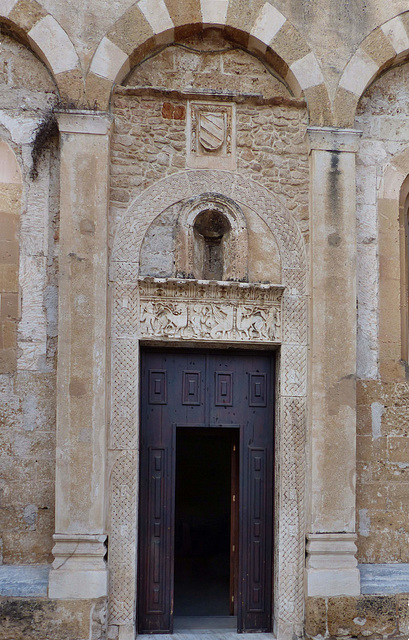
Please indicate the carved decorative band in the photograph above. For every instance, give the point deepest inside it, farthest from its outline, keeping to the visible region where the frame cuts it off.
(203, 310)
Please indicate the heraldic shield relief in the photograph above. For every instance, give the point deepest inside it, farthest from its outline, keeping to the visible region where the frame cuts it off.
(211, 133)
(212, 130)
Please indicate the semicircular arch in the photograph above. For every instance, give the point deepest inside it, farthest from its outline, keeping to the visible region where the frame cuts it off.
(48, 40)
(187, 184)
(384, 47)
(262, 29)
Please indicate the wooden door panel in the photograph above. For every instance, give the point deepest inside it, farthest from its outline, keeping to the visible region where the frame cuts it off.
(255, 543)
(156, 543)
(156, 523)
(234, 525)
(213, 390)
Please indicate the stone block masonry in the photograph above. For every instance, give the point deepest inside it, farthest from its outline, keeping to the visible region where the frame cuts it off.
(361, 617)
(28, 299)
(45, 619)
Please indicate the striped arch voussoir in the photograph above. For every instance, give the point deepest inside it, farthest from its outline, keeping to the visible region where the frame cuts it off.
(382, 48)
(48, 40)
(148, 24)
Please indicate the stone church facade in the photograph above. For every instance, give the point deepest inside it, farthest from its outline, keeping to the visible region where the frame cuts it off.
(208, 176)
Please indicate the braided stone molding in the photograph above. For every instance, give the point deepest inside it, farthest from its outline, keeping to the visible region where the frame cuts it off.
(178, 310)
(122, 539)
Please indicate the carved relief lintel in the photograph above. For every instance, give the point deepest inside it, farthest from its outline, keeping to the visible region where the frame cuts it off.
(207, 310)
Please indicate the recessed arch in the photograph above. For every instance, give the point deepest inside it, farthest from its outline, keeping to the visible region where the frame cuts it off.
(236, 258)
(42, 33)
(262, 29)
(393, 267)
(384, 47)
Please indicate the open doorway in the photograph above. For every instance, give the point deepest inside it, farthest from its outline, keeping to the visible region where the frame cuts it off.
(206, 503)
(193, 405)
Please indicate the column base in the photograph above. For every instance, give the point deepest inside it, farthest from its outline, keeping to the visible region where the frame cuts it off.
(331, 568)
(79, 570)
(127, 632)
(288, 630)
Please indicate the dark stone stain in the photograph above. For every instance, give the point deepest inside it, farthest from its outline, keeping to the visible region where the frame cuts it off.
(333, 184)
(334, 240)
(87, 227)
(77, 388)
(74, 255)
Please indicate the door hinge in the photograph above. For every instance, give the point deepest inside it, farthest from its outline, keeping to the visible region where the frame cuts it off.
(233, 547)
(234, 447)
(234, 498)
(232, 598)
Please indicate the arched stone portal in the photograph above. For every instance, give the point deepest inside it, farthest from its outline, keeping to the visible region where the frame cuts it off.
(130, 297)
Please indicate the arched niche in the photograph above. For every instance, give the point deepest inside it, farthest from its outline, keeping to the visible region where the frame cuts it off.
(382, 230)
(212, 239)
(173, 245)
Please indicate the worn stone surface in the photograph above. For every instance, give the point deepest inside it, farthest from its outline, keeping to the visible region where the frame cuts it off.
(358, 616)
(361, 617)
(29, 213)
(195, 64)
(148, 145)
(315, 617)
(382, 454)
(43, 619)
(382, 470)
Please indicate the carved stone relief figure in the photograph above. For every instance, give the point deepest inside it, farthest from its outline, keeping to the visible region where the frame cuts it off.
(200, 310)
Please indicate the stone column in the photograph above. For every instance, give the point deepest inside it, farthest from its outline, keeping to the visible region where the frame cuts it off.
(331, 564)
(79, 569)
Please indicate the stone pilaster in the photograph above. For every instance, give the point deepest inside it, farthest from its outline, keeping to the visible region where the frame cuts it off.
(331, 565)
(79, 568)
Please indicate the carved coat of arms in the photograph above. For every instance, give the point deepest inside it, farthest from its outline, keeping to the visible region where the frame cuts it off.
(212, 130)
(211, 135)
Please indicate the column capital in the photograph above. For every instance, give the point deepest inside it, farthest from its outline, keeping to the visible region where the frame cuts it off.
(332, 139)
(88, 122)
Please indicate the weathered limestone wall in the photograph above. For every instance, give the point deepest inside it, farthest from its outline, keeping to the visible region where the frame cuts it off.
(43, 619)
(362, 617)
(29, 321)
(383, 392)
(148, 144)
(149, 140)
(10, 198)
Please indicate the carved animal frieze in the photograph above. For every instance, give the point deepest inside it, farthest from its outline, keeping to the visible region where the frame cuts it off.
(200, 310)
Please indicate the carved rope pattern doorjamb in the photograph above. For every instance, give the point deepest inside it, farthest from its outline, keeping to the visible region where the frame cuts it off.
(139, 312)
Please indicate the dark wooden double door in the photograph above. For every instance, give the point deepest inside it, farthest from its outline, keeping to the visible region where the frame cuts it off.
(195, 406)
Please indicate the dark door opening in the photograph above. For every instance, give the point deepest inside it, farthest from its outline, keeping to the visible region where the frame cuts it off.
(185, 397)
(205, 573)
